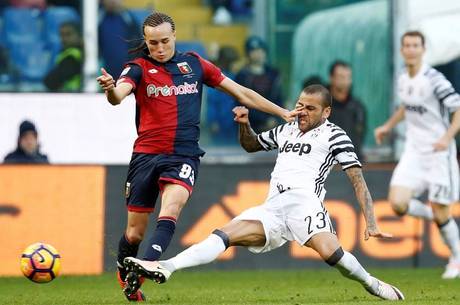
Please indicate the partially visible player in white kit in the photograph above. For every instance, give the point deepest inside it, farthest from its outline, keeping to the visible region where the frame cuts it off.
(429, 161)
(293, 210)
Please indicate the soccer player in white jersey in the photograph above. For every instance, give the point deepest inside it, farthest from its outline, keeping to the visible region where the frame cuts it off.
(429, 161)
(293, 210)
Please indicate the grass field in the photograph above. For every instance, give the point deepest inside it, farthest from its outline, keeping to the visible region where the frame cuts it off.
(309, 286)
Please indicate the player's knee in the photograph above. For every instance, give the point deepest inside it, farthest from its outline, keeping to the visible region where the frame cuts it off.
(335, 257)
(327, 250)
(441, 216)
(172, 209)
(400, 208)
(134, 237)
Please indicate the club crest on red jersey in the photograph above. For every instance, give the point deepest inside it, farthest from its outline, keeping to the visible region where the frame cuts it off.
(184, 68)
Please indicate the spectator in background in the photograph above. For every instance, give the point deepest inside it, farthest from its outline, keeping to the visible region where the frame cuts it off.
(8, 72)
(28, 147)
(117, 27)
(40, 4)
(263, 79)
(312, 80)
(221, 9)
(66, 76)
(349, 113)
(76, 4)
(223, 129)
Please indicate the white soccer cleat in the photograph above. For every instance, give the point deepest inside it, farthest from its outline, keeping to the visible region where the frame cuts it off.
(152, 270)
(385, 291)
(452, 270)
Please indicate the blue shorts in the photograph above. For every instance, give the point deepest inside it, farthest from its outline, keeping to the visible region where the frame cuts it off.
(148, 174)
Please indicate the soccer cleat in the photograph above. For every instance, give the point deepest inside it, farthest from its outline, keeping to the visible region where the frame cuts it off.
(136, 296)
(452, 270)
(148, 269)
(385, 291)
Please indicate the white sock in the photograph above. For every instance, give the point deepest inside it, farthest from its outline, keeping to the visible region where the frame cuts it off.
(419, 209)
(449, 233)
(199, 254)
(349, 267)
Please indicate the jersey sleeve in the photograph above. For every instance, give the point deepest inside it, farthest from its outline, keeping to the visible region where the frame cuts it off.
(212, 76)
(269, 139)
(342, 149)
(132, 74)
(445, 92)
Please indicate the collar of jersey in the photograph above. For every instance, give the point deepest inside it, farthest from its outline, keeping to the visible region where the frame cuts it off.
(296, 125)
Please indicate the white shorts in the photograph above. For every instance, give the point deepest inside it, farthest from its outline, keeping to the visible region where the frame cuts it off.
(292, 215)
(435, 172)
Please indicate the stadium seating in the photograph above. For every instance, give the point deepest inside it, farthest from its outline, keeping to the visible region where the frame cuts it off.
(140, 15)
(34, 65)
(53, 17)
(22, 25)
(193, 46)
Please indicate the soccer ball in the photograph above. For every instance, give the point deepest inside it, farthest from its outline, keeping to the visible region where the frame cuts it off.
(40, 263)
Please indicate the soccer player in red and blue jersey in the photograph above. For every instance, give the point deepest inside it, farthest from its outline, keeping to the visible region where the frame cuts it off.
(168, 88)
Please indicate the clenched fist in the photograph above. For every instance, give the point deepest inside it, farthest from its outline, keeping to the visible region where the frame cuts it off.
(241, 114)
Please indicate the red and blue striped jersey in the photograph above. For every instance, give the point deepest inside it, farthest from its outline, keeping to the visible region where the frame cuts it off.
(168, 101)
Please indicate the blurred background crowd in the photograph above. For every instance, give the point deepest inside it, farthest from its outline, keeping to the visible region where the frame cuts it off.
(273, 47)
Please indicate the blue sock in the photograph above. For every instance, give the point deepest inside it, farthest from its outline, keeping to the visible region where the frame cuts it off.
(161, 238)
(125, 249)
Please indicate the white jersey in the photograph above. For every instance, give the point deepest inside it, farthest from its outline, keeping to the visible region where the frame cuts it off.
(305, 159)
(428, 98)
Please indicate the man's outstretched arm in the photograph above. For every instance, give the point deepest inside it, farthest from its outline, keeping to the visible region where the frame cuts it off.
(252, 99)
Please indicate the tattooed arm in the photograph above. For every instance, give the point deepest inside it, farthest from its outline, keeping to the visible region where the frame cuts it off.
(355, 175)
(247, 136)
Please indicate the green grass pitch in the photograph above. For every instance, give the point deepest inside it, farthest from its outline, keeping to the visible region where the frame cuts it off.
(308, 286)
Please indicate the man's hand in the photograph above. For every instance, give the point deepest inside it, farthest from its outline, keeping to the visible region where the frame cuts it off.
(442, 143)
(106, 81)
(241, 114)
(290, 116)
(380, 133)
(375, 232)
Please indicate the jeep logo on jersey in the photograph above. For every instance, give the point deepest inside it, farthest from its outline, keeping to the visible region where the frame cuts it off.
(185, 88)
(296, 148)
(184, 68)
(416, 108)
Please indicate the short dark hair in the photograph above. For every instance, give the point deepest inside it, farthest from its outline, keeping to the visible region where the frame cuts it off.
(338, 63)
(413, 33)
(320, 89)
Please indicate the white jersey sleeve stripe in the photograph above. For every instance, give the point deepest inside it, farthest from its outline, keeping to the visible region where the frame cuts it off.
(443, 90)
(263, 142)
(339, 150)
(342, 143)
(336, 136)
(269, 139)
(351, 163)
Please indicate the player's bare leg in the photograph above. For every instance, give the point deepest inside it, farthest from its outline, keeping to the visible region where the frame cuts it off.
(402, 202)
(328, 247)
(236, 233)
(449, 232)
(173, 199)
(128, 246)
